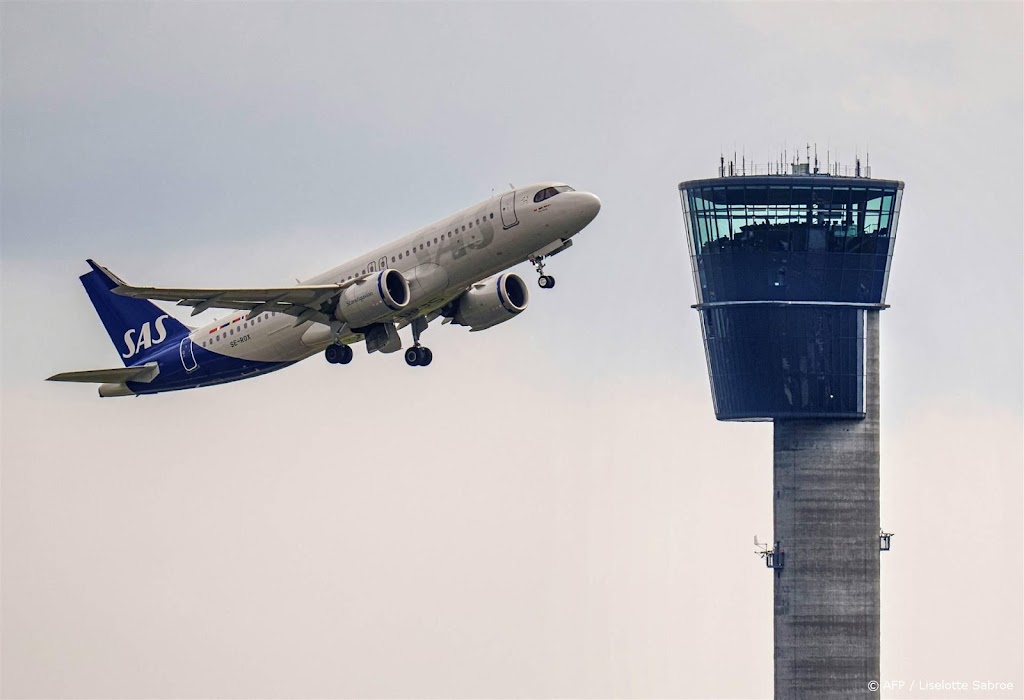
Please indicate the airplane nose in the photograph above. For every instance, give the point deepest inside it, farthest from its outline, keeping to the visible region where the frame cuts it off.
(590, 205)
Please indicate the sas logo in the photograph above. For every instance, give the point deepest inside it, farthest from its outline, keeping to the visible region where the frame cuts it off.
(145, 339)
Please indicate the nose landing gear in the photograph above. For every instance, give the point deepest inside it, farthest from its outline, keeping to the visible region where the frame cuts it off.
(545, 281)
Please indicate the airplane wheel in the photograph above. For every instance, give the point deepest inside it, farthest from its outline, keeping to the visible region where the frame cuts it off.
(412, 357)
(546, 281)
(333, 354)
(346, 355)
(426, 357)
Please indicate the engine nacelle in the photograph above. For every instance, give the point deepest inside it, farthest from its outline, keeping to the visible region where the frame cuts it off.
(493, 301)
(373, 299)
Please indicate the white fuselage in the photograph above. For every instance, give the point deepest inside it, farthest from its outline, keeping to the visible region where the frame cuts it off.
(440, 262)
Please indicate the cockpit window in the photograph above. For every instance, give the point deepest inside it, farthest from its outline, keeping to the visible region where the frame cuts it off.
(549, 192)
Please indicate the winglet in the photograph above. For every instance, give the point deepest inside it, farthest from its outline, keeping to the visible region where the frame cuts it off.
(112, 279)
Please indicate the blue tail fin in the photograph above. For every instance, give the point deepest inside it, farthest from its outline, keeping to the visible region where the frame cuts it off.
(136, 327)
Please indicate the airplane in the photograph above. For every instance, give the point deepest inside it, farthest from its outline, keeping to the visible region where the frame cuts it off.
(456, 268)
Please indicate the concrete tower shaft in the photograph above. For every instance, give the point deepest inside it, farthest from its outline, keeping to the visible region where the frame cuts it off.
(826, 513)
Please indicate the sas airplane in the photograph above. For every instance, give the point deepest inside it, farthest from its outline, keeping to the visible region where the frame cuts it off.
(452, 269)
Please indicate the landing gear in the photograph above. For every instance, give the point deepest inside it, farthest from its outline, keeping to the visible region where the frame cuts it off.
(545, 281)
(417, 355)
(338, 354)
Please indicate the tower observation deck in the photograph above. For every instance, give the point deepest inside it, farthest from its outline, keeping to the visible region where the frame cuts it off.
(790, 271)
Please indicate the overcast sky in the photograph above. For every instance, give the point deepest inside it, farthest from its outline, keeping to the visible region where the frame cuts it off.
(551, 510)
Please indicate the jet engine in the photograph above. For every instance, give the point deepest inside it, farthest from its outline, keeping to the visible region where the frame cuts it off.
(373, 299)
(493, 301)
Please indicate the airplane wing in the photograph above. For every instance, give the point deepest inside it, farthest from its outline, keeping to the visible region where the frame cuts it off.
(305, 302)
(145, 373)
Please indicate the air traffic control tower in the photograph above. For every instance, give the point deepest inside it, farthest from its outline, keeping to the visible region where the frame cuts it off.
(791, 266)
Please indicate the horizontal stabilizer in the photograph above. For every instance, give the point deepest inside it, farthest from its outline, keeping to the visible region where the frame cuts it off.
(119, 375)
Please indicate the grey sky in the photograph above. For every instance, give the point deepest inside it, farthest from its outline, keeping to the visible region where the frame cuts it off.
(551, 509)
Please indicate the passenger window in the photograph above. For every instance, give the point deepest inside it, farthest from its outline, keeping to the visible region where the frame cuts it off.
(463, 227)
(428, 244)
(471, 224)
(492, 214)
(435, 241)
(399, 256)
(449, 234)
(421, 246)
(392, 258)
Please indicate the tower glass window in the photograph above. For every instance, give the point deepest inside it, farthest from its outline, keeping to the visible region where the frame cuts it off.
(823, 238)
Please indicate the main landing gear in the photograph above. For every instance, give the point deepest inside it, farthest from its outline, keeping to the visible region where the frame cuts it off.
(545, 281)
(417, 355)
(338, 354)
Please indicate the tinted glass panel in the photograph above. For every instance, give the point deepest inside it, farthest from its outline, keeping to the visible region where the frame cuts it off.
(775, 362)
(827, 241)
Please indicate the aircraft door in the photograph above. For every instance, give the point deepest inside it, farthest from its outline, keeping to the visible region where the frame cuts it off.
(508, 210)
(188, 356)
